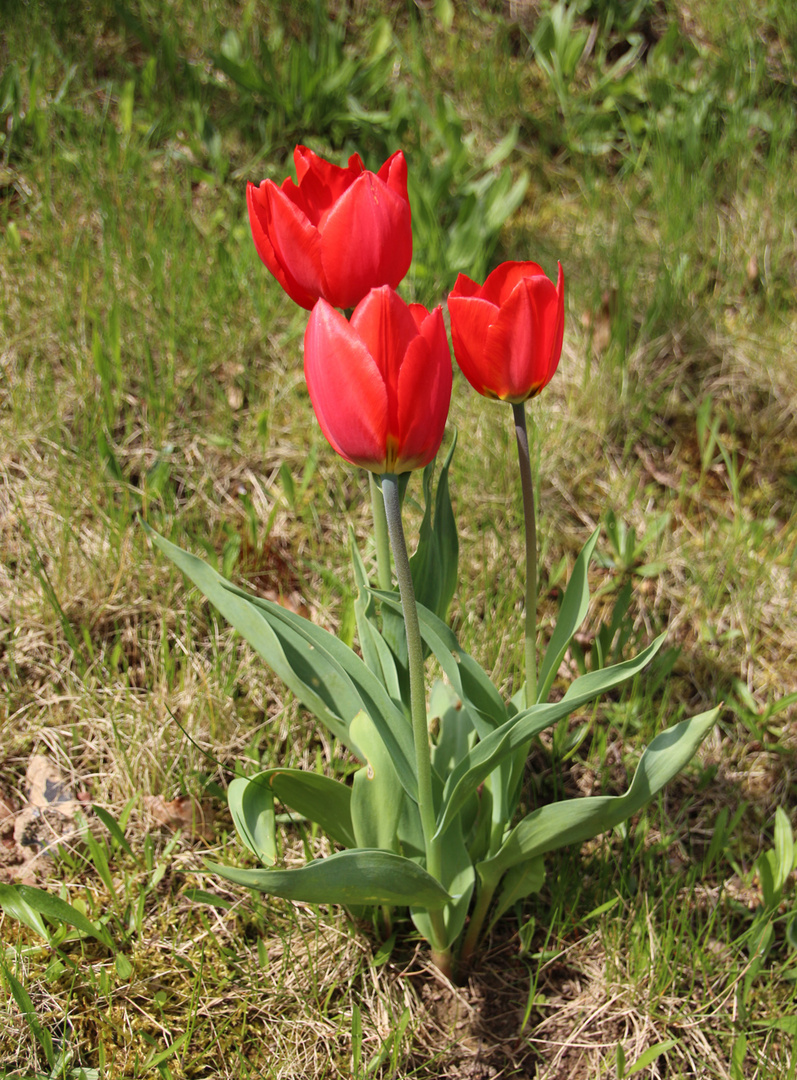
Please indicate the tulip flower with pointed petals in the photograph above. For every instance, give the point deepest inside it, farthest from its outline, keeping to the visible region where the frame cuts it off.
(507, 333)
(337, 233)
(380, 384)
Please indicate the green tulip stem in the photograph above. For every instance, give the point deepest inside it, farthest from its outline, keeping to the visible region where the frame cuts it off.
(381, 539)
(527, 486)
(420, 728)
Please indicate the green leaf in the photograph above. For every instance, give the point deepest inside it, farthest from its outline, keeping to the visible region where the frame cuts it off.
(459, 878)
(375, 650)
(114, 828)
(13, 904)
(435, 560)
(653, 1053)
(491, 750)
(251, 804)
(358, 876)
(571, 615)
(376, 794)
(425, 562)
(574, 820)
(518, 883)
(323, 800)
(324, 673)
(59, 911)
(470, 681)
(784, 848)
(25, 1006)
(445, 529)
(312, 795)
(455, 733)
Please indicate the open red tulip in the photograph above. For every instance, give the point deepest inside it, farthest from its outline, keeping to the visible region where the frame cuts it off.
(380, 384)
(508, 333)
(337, 233)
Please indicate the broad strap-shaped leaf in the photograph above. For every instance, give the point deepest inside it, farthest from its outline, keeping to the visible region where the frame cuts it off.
(325, 801)
(492, 750)
(455, 734)
(251, 804)
(459, 878)
(390, 721)
(435, 560)
(324, 673)
(376, 794)
(469, 680)
(357, 876)
(376, 652)
(445, 529)
(574, 820)
(425, 561)
(571, 615)
(518, 883)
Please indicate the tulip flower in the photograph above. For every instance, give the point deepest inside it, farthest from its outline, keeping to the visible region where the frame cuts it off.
(337, 233)
(507, 333)
(380, 384)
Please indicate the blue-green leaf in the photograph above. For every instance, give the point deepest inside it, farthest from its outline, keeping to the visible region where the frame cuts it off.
(251, 804)
(574, 820)
(491, 751)
(324, 673)
(458, 877)
(518, 883)
(376, 794)
(358, 876)
(469, 680)
(571, 615)
(375, 650)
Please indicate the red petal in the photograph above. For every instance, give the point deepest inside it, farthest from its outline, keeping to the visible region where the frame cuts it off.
(394, 174)
(260, 220)
(424, 395)
(502, 282)
(464, 286)
(519, 345)
(346, 388)
(471, 318)
(366, 241)
(386, 326)
(321, 183)
(297, 247)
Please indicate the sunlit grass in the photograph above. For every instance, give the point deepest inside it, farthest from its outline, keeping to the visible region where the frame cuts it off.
(150, 368)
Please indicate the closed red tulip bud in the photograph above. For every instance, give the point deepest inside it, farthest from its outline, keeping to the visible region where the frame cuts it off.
(337, 233)
(507, 333)
(380, 384)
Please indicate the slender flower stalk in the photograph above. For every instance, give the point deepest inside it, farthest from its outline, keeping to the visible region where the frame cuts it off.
(420, 728)
(381, 538)
(527, 485)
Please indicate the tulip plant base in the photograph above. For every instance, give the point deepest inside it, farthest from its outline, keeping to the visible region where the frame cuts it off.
(488, 861)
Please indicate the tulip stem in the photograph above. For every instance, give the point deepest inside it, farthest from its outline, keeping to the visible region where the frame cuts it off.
(381, 539)
(527, 486)
(420, 727)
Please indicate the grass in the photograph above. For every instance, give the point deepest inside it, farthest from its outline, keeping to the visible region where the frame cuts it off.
(150, 367)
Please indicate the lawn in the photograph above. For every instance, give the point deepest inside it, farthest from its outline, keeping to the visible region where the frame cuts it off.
(151, 371)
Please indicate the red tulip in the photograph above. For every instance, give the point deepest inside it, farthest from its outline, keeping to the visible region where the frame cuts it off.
(338, 233)
(507, 333)
(380, 384)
